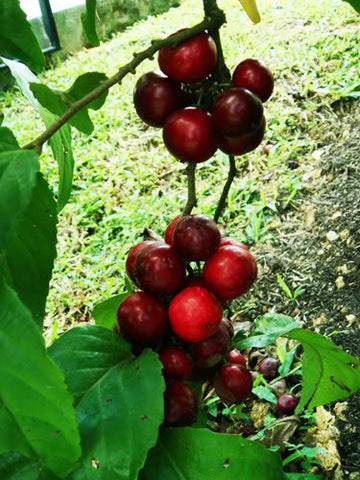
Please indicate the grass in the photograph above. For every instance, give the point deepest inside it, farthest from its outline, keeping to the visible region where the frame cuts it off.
(125, 180)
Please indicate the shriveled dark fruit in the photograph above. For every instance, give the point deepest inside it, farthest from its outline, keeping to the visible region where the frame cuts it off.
(232, 241)
(255, 76)
(229, 325)
(237, 112)
(177, 362)
(155, 97)
(130, 261)
(233, 383)
(195, 314)
(235, 356)
(142, 319)
(211, 351)
(169, 232)
(159, 268)
(243, 144)
(269, 367)
(287, 403)
(181, 405)
(196, 237)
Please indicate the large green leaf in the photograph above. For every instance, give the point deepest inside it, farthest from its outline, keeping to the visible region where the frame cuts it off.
(17, 39)
(355, 4)
(88, 22)
(14, 466)
(119, 400)
(17, 178)
(303, 476)
(192, 453)
(105, 312)
(7, 140)
(31, 251)
(329, 373)
(60, 142)
(39, 415)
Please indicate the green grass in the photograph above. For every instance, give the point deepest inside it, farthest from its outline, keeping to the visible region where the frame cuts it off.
(125, 180)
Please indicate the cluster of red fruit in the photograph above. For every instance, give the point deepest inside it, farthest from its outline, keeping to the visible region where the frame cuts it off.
(192, 134)
(181, 315)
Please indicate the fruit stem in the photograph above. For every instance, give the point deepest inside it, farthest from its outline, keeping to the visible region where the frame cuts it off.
(231, 175)
(191, 201)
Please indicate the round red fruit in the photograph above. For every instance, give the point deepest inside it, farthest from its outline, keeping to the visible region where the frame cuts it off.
(237, 112)
(230, 272)
(287, 403)
(253, 75)
(181, 405)
(235, 357)
(196, 237)
(169, 232)
(269, 367)
(195, 314)
(155, 97)
(190, 61)
(142, 319)
(244, 144)
(189, 135)
(233, 383)
(177, 363)
(130, 261)
(211, 351)
(232, 241)
(159, 268)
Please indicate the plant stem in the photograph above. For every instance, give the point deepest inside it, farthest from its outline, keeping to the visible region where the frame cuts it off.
(231, 175)
(191, 201)
(214, 21)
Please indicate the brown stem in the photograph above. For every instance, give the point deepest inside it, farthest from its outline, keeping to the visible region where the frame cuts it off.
(191, 201)
(231, 175)
(215, 21)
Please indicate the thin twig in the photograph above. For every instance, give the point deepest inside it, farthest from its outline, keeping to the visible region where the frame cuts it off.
(231, 175)
(191, 201)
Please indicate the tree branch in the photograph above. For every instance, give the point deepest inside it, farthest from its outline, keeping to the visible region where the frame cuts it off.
(191, 201)
(214, 21)
(231, 175)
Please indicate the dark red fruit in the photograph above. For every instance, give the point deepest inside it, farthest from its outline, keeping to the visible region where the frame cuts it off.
(233, 383)
(190, 61)
(189, 134)
(169, 232)
(243, 144)
(195, 314)
(287, 403)
(196, 237)
(229, 325)
(232, 241)
(130, 261)
(230, 272)
(269, 367)
(177, 363)
(142, 319)
(235, 356)
(237, 112)
(155, 97)
(211, 351)
(159, 269)
(181, 405)
(254, 76)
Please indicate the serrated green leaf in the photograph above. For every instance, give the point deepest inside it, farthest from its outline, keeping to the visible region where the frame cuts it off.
(88, 22)
(33, 392)
(8, 141)
(198, 453)
(264, 393)
(31, 251)
(17, 178)
(17, 39)
(105, 312)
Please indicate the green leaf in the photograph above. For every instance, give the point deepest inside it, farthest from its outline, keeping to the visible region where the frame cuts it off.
(329, 373)
(105, 312)
(88, 22)
(17, 177)
(355, 4)
(17, 39)
(191, 453)
(85, 84)
(39, 414)
(264, 393)
(31, 251)
(8, 141)
(302, 476)
(119, 400)
(283, 285)
(14, 466)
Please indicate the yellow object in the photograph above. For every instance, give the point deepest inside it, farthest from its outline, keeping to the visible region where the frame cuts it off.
(251, 10)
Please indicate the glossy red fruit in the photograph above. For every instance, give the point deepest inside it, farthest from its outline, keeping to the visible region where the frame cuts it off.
(195, 314)
(181, 405)
(232, 241)
(230, 272)
(177, 363)
(211, 351)
(142, 319)
(155, 97)
(287, 403)
(169, 232)
(196, 237)
(233, 383)
(190, 61)
(130, 261)
(253, 75)
(269, 367)
(237, 112)
(245, 143)
(159, 268)
(189, 134)
(235, 356)
(229, 326)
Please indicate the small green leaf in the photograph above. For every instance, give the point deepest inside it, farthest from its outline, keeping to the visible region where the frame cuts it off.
(85, 84)
(285, 367)
(105, 312)
(8, 141)
(283, 285)
(88, 22)
(265, 393)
